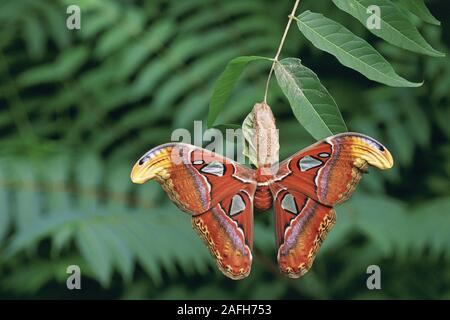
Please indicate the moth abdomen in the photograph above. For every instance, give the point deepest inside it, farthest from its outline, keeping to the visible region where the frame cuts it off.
(263, 198)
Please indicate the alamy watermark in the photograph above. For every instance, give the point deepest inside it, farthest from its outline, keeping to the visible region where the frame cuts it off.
(374, 19)
(374, 280)
(73, 21)
(74, 279)
(229, 142)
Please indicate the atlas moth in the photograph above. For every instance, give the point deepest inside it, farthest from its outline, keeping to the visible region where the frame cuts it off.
(221, 194)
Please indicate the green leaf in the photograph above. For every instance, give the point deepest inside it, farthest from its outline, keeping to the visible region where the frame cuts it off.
(395, 27)
(95, 251)
(64, 67)
(104, 18)
(118, 37)
(36, 232)
(5, 216)
(225, 84)
(419, 8)
(35, 37)
(61, 239)
(55, 20)
(349, 49)
(416, 122)
(378, 218)
(134, 55)
(311, 103)
(248, 130)
(121, 255)
(401, 142)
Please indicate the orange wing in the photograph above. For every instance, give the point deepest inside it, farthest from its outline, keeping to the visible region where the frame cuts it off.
(309, 184)
(329, 170)
(227, 230)
(216, 191)
(302, 225)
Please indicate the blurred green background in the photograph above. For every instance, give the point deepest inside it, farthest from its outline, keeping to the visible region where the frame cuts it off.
(78, 108)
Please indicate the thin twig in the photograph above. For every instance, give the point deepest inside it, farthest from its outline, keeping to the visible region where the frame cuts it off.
(275, 59)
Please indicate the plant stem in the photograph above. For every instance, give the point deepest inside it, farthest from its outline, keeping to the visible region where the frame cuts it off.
(275, 59)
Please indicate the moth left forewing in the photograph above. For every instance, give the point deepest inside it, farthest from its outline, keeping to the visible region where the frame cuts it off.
(195, 179)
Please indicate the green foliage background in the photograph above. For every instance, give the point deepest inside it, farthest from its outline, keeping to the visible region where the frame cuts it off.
(77, 109)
